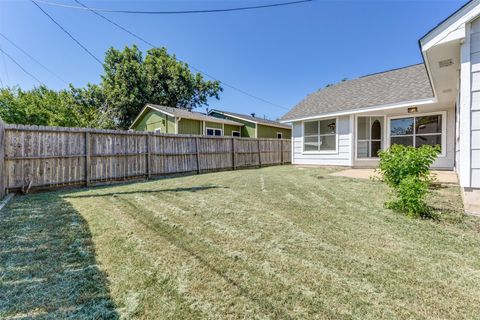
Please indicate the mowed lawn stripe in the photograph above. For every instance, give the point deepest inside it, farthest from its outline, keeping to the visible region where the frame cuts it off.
(278, 242)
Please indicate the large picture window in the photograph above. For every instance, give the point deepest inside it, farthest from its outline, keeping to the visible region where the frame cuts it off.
(320, 135)
(417, 131)
(369, 136)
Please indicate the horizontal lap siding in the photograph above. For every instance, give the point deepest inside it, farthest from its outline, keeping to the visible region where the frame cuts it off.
(229, 128)
(448, 161)
(340, 158)
(153, 120)
(189, 126)
(271, 132)
(475, 105)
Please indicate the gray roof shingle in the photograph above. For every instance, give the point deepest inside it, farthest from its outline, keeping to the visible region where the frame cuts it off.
(395, 86)
(254, 119)
(184, 113)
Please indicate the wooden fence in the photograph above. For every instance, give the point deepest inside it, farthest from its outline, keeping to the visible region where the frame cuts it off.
(52, 157)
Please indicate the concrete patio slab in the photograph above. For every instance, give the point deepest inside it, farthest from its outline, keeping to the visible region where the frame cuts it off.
(446, 177)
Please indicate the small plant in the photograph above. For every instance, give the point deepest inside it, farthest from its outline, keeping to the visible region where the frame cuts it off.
(406, 171)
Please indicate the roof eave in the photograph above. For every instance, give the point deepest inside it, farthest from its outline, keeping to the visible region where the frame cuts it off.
(467, 12)
(233, 116)
(249, 120)
(139, 116)
(417, 102)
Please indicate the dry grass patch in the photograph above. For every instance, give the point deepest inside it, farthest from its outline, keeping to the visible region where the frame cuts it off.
(277, 242)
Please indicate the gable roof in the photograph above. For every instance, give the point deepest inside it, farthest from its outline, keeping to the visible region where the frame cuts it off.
(390, 87)
(465, 13)
(185, 114)
(249, 118)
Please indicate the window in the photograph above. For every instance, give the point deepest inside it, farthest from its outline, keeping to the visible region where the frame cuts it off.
(158, 130)
(235, 133)
(416, 131)
(214, 132)
(279, 135)
(320, 135)
(369, 136)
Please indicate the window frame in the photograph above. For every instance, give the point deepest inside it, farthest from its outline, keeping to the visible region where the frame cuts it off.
(384, 135)
(281, 135)
(209, 128)
(319, 135)
(157, 130)
(443, 134)
(239, 133)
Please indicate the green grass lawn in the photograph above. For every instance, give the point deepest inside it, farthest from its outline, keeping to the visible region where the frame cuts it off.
(278, 242)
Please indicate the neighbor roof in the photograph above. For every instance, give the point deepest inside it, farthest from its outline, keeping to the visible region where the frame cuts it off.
(400, 85)
(185, 114)
(249, 118)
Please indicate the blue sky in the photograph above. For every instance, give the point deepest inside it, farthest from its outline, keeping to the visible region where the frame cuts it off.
(280, 54)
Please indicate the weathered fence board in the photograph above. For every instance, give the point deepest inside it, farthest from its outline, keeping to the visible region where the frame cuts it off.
(38, 156)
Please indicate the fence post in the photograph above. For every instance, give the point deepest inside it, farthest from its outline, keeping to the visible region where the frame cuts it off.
(259, 154)
(2, 159)
(197, 155)
(233, 153)
(281, 151)
(87, 158)
(148, 164)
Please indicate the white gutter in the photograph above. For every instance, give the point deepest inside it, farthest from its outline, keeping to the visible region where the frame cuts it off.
(369, 109)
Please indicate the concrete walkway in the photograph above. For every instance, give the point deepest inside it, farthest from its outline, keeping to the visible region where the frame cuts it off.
(447, 177)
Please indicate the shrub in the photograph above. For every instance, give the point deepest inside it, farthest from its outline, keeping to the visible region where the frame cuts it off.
(406, 171)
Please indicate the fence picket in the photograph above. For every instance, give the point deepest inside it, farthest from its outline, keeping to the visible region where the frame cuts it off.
(55, 156)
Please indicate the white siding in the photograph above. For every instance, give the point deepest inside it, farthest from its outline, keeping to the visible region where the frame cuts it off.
(345, 155)
(444, 162)
(468, 164)
(340, 158)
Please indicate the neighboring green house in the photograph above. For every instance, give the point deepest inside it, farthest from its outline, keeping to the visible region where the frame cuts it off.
(182, 121)
(255, 127)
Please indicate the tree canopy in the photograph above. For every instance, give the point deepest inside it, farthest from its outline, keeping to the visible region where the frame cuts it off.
(128, 82)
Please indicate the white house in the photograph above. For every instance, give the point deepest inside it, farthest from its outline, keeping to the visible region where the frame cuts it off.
(436, 102)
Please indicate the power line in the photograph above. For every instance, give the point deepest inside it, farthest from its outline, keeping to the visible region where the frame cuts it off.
(5, 66)
(68, 33)
(178, 12)
(193, 67)
(18, 64)
(35, 60)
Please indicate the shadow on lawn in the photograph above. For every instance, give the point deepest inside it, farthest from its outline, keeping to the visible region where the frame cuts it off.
(48, 266)
(96, 195)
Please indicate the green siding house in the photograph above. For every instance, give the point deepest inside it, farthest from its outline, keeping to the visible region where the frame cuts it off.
(255, 127)
(182, 121)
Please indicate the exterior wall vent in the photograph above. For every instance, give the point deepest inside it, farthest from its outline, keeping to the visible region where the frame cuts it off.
(445, 63)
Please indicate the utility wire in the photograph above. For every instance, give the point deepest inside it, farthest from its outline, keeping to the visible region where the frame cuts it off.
(5, 66)
(35, 60)
(68, 33)
(178, 12)
(18, 64)
(193, 67)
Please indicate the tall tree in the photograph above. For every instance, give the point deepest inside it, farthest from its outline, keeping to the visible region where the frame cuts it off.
(171, 83)
(39, 106)
(124, 83)
(90, 107)
(129, 82)
(67, 108)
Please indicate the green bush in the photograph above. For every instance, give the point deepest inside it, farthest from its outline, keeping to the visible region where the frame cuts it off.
(406, 171)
